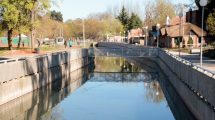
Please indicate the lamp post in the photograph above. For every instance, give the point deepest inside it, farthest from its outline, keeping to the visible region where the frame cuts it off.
(146, 35)
(124, 37)
(180, 37)
(127, 36)
(120, 37)
(202, 3)
(158, 27)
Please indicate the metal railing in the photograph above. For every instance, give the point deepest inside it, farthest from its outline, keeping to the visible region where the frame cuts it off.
(188, 63)
(123, 52)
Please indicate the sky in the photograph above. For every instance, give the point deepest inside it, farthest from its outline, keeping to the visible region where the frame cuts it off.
(73, 9)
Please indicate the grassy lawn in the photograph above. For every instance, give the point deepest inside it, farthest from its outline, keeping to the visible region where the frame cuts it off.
(51, 48)
(44, 48)
(185, 50)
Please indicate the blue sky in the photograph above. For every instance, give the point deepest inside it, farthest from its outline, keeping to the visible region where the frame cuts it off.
(72, 9)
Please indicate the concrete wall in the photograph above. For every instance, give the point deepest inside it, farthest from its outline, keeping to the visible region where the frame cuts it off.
(124, 50)
(33, 105)
(194, 86)
(18, 77)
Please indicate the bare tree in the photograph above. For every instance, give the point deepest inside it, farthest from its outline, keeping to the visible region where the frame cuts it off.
(158, 11)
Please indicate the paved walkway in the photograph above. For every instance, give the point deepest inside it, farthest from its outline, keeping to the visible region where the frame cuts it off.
(208, 63)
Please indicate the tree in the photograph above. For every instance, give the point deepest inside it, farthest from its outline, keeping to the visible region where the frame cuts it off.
(97, 26)
(211, 24)
(134, 22)
(163, 8)
(149, 14)
(123, 17)
(57, 16)
(23, 24)
(9, 18)
(190, 41)
(157, 12)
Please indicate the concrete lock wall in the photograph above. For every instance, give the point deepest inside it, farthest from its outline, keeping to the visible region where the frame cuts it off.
(126, 50)
(28, 107)
(18, 77)
(193, 85)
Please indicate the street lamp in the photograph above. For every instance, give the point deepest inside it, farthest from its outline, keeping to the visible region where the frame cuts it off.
(180, 37)
(158, 27)
(146, 32)
(202, 3)
(127, 36)
(124, 37)
(120, 36)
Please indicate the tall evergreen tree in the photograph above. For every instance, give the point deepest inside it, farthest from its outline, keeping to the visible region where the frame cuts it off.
(134, 22)
(56, 16)
(123, 17)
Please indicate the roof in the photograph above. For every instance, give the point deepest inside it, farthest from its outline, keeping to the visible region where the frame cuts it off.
(174, 31)
(136, 33)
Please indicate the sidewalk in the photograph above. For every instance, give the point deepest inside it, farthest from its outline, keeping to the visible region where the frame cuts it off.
(207, 63)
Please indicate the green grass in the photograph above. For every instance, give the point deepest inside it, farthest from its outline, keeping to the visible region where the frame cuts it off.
(50, 48)
(185, 50)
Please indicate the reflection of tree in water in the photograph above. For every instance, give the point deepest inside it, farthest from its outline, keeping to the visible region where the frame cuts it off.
(114, 64)
(55, 114)
(107, 64)
(154, 92)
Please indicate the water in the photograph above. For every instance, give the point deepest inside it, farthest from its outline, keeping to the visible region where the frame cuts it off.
(113, 89)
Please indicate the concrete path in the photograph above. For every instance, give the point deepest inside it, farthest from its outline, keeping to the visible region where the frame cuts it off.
(208, 63)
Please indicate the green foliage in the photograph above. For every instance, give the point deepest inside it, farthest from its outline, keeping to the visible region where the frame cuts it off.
(129, 22)
(134, 22)
(24, 19)
(97, 26)
(210, 23)
(9, 14)
(123, 17)
(190, 41)
(56, 16)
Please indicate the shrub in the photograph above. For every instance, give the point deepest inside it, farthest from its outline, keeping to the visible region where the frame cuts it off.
(190, 42)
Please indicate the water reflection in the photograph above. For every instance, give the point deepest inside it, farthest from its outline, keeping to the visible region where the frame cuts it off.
(33, 105)
(154, 92)
(114, 64)
(105, 97)
(116, 89)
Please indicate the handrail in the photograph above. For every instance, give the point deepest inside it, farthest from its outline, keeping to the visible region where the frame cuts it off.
(186, 62)
(30, 57)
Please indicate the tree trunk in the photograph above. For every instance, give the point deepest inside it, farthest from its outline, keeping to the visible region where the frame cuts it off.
(32, 29)
(20, 39)
(9, 33)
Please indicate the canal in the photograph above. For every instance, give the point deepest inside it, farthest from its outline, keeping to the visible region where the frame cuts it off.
(110, 88)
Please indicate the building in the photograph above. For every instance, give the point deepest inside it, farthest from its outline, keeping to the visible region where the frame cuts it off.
(194, 17)
(136, 36)
(112, 38)
(170, 35)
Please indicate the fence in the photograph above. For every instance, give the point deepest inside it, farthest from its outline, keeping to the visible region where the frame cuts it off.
(123, 52)
(199, 81)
